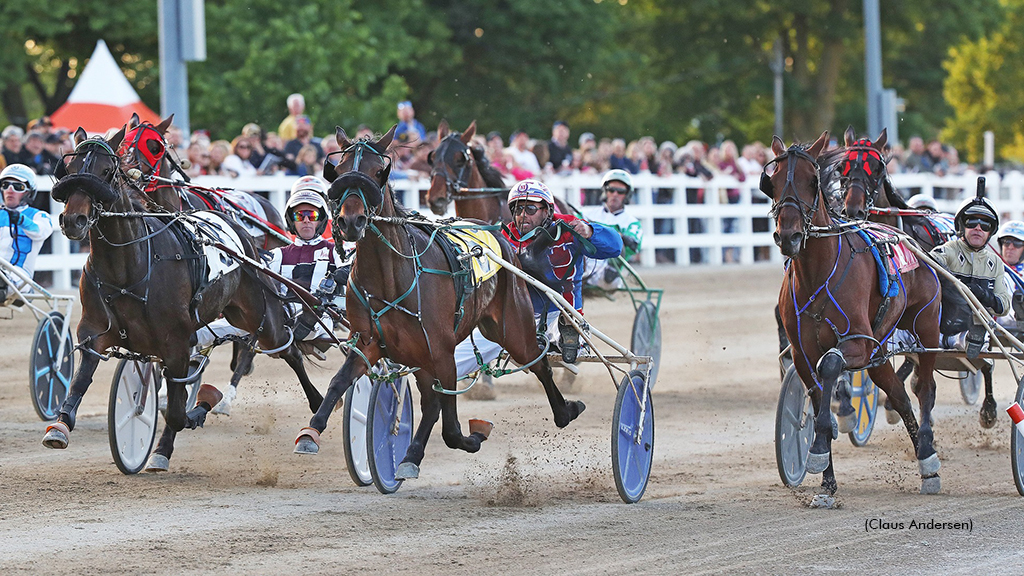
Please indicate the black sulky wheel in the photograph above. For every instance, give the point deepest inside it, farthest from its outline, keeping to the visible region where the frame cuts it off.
(794, 429)
(50, 368)
(132, 413)
(356, 410)
(1017, 445)
(389, 432)
(646, 338)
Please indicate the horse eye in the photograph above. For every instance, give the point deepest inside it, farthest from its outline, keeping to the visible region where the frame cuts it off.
(430, 158)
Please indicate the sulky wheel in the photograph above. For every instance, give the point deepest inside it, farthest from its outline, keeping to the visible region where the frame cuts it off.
(970, 386)
(1017, 445)
(50, 368)
(389, 432)
(864, 396)
(632, 437)
(646, 338)
(355, 418)
(794, 429)
(132, 413)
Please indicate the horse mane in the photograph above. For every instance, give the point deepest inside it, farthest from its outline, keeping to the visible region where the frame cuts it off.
(491, 175)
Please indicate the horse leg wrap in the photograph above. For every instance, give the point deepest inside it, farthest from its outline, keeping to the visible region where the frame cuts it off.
(831, 364)
(68, 410)
(929, 466)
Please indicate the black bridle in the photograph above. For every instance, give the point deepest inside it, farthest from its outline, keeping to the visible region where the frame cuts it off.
(807, 210)
(456, 187)
(856, 168)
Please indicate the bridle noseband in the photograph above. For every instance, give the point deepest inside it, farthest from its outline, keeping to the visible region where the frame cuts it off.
(358, 148)
(807, 210)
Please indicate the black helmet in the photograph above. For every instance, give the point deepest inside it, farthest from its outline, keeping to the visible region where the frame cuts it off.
(975, 208)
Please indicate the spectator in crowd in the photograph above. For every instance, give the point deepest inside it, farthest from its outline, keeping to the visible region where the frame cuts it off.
(690, 161)
(748, 160)
(524, 158)
(198, 157)
(635, 153)
(296, 106)
(36, 156)
(237, 164)
(618, 160)
(12, 136)
(306, 162)
(663, 165)
(559, 152)
(728, 166)
(495, 146)
(304, 136)
(329, 144)
(409, 128)
(363, 132)
(894, 165)
(22, 228)
(275, 160)
(649, 149)
(540, 150)
(586, 143)
(934, 159)
(42, 125)
(254, 134)
(54, 145)
(914, 161)
(219, 151)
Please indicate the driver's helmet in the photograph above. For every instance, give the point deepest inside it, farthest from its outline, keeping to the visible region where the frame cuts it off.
(922, 202)
(620, 176)
(532, 190)
(25, 175)
(310, 190)
(1012, 229)
(975, 208)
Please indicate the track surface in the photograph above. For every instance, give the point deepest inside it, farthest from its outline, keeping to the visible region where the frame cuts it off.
(535, 499)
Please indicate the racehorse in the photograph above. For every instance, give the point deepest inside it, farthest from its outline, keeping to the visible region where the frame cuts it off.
(863, 179)
(402, 300)
(834, 313)
(145, 149)
(144, 288)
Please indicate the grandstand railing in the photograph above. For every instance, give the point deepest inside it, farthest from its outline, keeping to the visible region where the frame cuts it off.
(685, 220)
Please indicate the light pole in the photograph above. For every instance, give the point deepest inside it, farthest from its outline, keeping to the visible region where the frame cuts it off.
(778, 66)
(182, 26)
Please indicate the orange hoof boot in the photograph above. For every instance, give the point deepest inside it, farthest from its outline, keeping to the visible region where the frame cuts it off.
(208, 397)
(482, 427)
(56, 436)
(307, 442)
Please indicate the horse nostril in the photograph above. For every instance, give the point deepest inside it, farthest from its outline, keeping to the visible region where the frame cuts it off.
(360, 222)
(79, 221)
(778, 239)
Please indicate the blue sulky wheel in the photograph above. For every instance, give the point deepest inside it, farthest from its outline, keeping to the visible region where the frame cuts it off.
(794, 429)
(49, 376)
(864, 395)
(132, 413)
(357, 404)
(632, 455)
(1017, 445)
(389, 432)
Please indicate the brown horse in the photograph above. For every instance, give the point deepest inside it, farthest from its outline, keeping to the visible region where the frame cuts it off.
(461, 172)
(835, 315)
(142, 290)
(867, 193)
(402, 303)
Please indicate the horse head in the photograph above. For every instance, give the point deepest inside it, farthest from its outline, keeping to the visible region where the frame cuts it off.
(144, 148)
(861, 171)
(451, 164)
(89, 182)
(361, 191)
(793, 188)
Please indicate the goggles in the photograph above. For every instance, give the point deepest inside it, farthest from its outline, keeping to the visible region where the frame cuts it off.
(14, 184)
(616, 190)
(310, 215)
(1013, 242)
(985, 225)
(529, 209)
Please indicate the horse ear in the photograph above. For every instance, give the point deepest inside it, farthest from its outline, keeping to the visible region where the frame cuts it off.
(442, 130)
(385, 140)
(778, 147)
(882, 139)
(469, 133)
(80, 136)
(165, 124)
(850, 136)
(115, 140)
(134, 121)
(818, 145)
(341, 137)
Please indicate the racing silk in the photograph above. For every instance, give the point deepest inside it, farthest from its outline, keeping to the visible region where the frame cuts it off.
(307, 262)
(21, 239)
(623, 223)
(561, 265)
(969, 265)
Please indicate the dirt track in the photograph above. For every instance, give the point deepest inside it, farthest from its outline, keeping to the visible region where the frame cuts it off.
(535, 499)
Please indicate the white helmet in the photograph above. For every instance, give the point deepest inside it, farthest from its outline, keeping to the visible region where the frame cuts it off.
(310, 190)
(922, 202)
(532, 190)
(1012, 229)
(26, 176)
(617, 175)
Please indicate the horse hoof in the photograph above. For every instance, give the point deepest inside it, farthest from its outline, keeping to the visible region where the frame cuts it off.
(308, 441)
(931, 485)
(56, 436)
(158, 463)
(892, 416)
(987, 416)
(482, 427)
(826, 501)
(816, 463)
(930, 465)
(847, 423)
(407, 471)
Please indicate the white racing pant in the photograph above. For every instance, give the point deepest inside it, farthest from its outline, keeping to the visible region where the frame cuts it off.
(904, 340)
(465, 360)
(220, 328)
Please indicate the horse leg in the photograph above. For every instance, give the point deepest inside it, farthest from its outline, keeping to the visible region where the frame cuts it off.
(988, 406)
(241, 365)
(905, 369)
(846, 416)
(451, 430)
(175, 374)
(57, 433)
(927, 458)
(830, 366)
(308, 440)
(430, 409)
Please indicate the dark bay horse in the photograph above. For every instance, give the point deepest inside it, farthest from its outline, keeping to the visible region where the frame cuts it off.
(867, 193)
(832, 309)
(402, 303)
(142, 290)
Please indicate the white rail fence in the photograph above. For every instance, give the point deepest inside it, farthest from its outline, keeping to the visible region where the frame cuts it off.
(685, 220)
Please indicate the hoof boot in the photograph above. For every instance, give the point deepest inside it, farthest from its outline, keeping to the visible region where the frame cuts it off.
(929, 466)
(407, 471)
(931, 485)
(56, 436)
(816, 463)
(158, 463)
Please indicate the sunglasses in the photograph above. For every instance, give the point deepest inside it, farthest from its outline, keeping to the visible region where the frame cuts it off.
(530, 209)
(310, 215)
(14, 184)
(243, 147)
(1013, 242)
(985, 225)
(616, 190)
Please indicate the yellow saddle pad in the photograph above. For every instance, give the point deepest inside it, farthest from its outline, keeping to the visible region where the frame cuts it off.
(483, 267)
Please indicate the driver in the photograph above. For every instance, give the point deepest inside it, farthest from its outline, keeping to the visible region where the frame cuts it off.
(1011, 249)
(22, 227)
(969, 258)
(616, 190)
